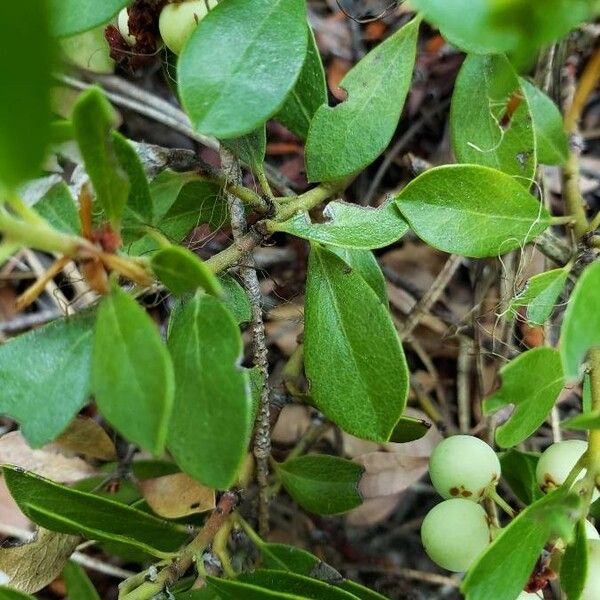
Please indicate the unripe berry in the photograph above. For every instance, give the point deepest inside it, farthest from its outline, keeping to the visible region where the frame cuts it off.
(463, 466)
(557, 461)
(454, 533)
(123, 26)
(591, 533)
(591, 589)
(178, 21)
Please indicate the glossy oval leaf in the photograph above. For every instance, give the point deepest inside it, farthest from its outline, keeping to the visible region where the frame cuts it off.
(78, 583)
(93, 120)
(345, 139)
(235, 298)
(518, 470)
(223, 83)
(409, 429)
(182, 271)
(356, 332)
(349, 226)
(212, 417)
(490, 118)
(249, 148)
(26, 61)
(66, 510)
(309, 93)
(322, 484)
(132, 373)
(47, 371)
(504, 568)
(552, 144)
(229, 589)
(540, 295)
(531, 382)
(74, 16)
(471, 210)
(574, 564)
(366, 265)
(580, 331)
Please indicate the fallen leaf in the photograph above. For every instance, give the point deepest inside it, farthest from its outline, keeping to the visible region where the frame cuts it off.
(292, 423)
(31, 566)
(177, 495)
(10, 514)
(373, 511)
(85, 436)
(47, 462)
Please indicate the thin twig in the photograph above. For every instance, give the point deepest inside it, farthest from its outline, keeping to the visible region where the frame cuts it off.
(247, 271)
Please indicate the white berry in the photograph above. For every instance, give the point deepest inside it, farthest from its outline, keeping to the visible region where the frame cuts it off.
(454, 533)
(591, 590)
(123, 26)
(178, 21)
(591, 533)
(463, 466)
(528, 596)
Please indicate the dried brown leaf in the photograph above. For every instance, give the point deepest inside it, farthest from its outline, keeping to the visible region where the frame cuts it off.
(293, 421)
(177, 495)
(373, 511)
(85, 436)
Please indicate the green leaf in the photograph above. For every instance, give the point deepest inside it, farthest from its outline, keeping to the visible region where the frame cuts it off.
(540, 295)
(574, 565)
(47, 371)
(211, 425)
(10, 594)
(66, 510)
(409, 429)
(532, 383)
(93, 120)
(366, 265)
(57, 206)
(345, 139)
(236, 299)
(349, 226)
(551, 140)
(504, 568)
(78, 583)
(182, 271)
(322, 484)
(471, 210)
(580, 331)
(585, 421)
(234, 590)
(518, 470)
(356, 331)
(293, 583)
(490, 120)
(139, 210)
(249, 148)
(307, 95)
(26, 60)
(74, 16)
(223, 83)
(132, 373)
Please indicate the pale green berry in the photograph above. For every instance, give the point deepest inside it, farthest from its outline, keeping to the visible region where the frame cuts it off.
(591, 589)
(591, 532)
(557, 461)
(89, 50)
(528, 596)
(454, 533)
(463, 466)
(178, 21)
(123, 26)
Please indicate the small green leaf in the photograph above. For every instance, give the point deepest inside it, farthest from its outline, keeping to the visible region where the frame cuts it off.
(249, 148)
(307, 95)
(532, 383)
(235, 590)
(74, 16)
(540, 295)
(223, 83)
(409, 429)
(183, 272)
(366, 265)
(356, 332)
(471, 210)
(505, 566)
(57, 206)
(345, 139)
(580, 331)
(518, 470)
(585, 421)
(349, 226)
(490, 119)
(293, 583)
(574, 565)
(552, 144)
(47, 371)
(93, 120)
(10, 594)
(132, 373)
(236, 299)
(211, 425)
(78, 583)
(66, 510)
(322, 484)
(26, 61)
